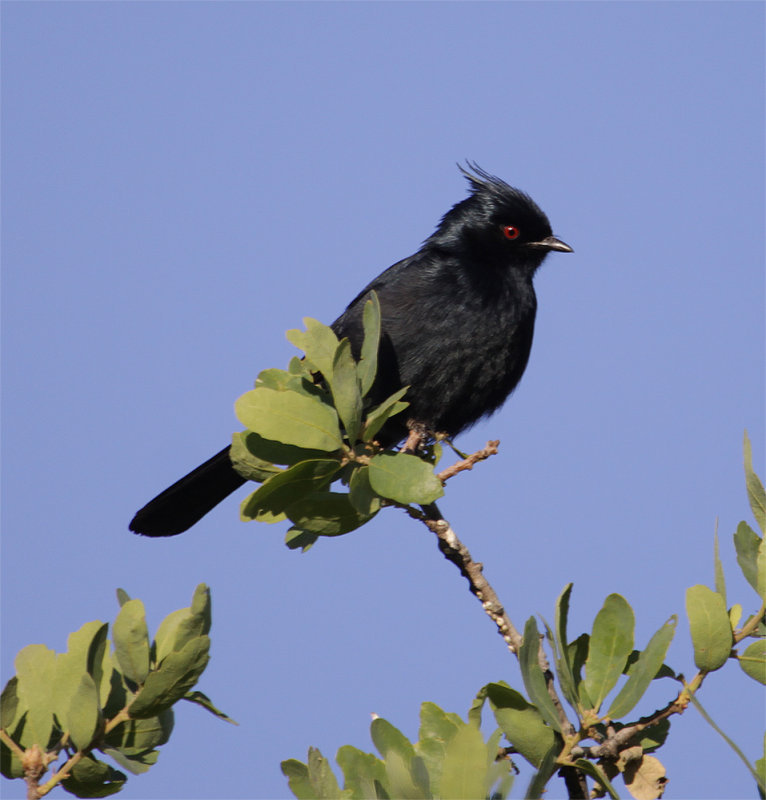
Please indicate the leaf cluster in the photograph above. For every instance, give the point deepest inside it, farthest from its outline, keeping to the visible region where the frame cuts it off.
(118, 701)
(450, 759)
(311, 428)
(589, 669)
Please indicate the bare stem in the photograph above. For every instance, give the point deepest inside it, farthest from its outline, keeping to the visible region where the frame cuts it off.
(490, 449)
(455, 551)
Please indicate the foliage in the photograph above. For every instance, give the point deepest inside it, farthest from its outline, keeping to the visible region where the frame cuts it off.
(451, 759)
(602, 678)
(88, 699)
(312, 426)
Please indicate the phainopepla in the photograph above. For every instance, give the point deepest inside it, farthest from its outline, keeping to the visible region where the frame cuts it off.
(457, 319)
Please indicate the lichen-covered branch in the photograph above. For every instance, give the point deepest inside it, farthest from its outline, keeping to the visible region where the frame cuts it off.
(455, 551)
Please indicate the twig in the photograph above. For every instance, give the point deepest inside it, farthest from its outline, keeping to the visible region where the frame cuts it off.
(617, 740)
(490, 449)
(455, 551)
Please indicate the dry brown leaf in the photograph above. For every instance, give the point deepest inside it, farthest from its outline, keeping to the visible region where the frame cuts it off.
(645, 779)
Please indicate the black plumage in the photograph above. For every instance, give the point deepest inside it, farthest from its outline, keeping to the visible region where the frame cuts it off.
(457, 321)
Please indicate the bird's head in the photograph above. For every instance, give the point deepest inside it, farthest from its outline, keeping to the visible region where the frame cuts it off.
(497, 224)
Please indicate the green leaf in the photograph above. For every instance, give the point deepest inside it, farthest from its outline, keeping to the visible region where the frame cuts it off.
(663, 672)
(388, 739)
(760, 781)
(131, 641)
(611, 642)
(654, 736)
(168, 630)
(281, 491)
(521, 722)
(176, 675)
(66, 681)
(180, 626)
(710, 627)
(464, 775)
(112, 689)
(270, 452)
(122, 597)
(299, 366)
(755, 491)
(379, 415)
(747, 544)
(368, 359)
(326, 514)
(720, 579)
(247, 464)
(761, 569)
(88, 644)
(436, 730)
(137, 764)
(360, 772)
(644, 671)
(404, 478)
(285, 381)
(589, 768)
(534, 679)
(578, 654)
(84, 713)
(318, 343)
(93, 778)
(435, 723)
(84, 656)
(753, 661)
(290, 418)
(296, 539)
(760, 769)
(346, 391)
(10, 764)
(499, 770)
(360, 495)
(9, 704)
(403, 773)
(297, 774)
(548, 767)
(35, 669)
(137, 737)
(477, 705)
(560, 649)
(203, 700)
(321, 776)
(201, 608)
(401, 780)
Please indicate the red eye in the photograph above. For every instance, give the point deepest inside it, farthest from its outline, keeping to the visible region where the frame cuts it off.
(511, 232)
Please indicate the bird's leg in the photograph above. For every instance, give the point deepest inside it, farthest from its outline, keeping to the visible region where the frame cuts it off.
(418, 435)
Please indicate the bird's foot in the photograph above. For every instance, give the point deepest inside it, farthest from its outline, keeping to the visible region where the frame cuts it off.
(417, 437)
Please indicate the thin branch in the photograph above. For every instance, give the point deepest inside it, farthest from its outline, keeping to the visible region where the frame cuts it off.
(490, 449)
(455, 551)
(751, 625)
(10, 744)
(617, 740)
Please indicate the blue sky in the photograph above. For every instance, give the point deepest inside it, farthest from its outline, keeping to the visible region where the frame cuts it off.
(182, 182)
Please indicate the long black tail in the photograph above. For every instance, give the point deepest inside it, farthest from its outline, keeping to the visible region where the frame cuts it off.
(189, 499)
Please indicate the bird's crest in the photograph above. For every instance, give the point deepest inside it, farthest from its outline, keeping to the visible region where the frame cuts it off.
(490, 186)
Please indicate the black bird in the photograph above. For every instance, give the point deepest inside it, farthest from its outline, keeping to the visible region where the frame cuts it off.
(457, 320)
